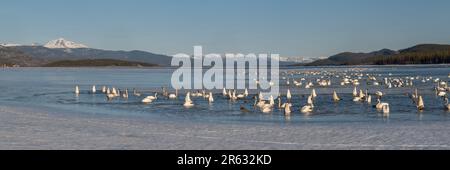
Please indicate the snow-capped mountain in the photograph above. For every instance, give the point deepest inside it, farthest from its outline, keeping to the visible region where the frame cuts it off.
(62, 43)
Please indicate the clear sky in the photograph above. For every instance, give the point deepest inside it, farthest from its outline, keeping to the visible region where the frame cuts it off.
(288, 27)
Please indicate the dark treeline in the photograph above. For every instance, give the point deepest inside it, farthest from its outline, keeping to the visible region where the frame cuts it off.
(431, 57)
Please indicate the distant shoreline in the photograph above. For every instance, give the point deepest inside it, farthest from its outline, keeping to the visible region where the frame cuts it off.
(282, 67)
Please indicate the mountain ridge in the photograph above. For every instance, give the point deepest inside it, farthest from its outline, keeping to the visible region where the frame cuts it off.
(426, 53)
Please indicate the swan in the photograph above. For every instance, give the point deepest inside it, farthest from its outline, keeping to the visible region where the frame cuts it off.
(379, 94)
(369, 99)
(224, 92)
(416, 94)
(313, 93)
(125, 95)
(357, 99)
(233, 96)
(199, 94)
(147, 100)
(114, 91)
(361, 94)
(174, 96)
(267, 108)
(203, 94)
(210, 97)
(420, 104)
(77, 90)
(187, 101)
(94, 90)
(118, 93)
(442, 94)
(241, 96)
(307, 109)
(288, 95)
(104, 89)
(110, 96)
(355, 92)
(108, 91)
(287, 108)
(310, 101)
(447, 105)
(380, 105)
(135, 93)
(260, 96)
(386, 110)
(245, 92)
(260, 103)
(271, 101)
(335, 96)
(153, 97)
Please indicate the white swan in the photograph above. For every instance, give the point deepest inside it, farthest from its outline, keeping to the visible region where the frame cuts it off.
(245, 92)
(210, 97)
(135, 93)
(447, 105)
(118, 93)
(310, 101)
(287, 108)
(224, 92)
(386, 110)
(379, 94)
(174, 96)
(441, 93)
(380, 105)
(77, 90)
(271, 101)
(361, 94)
(358, 99)
(94, 90)
(369, 99)
(147, 100)
(241, 96)
(114, 91)
(313, 93)
(233, 95)
(110, 96)
(104, 89)
(267, 108)
(125, 95)
(355, 92)
(420, 104)
(288, 95)
(415, 95)
(335, 96)
(153, 97)
(307, 109)
(187, 101)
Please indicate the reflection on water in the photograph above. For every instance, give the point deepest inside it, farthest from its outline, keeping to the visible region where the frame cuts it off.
(53, 88)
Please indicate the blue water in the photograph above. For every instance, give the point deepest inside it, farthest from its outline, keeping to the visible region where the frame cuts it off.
(52, 88)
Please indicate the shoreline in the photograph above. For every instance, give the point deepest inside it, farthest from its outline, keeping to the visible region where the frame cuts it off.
(30, 128)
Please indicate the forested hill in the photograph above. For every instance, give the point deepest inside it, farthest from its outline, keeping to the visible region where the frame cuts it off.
(419, 54)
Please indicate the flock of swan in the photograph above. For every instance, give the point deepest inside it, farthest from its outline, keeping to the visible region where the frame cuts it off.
(322, 79)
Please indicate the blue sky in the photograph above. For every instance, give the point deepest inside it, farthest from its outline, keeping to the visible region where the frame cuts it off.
(289, 27)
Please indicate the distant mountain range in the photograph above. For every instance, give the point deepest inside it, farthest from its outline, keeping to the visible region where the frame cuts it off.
(419, 54)
(64, 50)
(76, 54)
(11, 56)
(61, 49)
